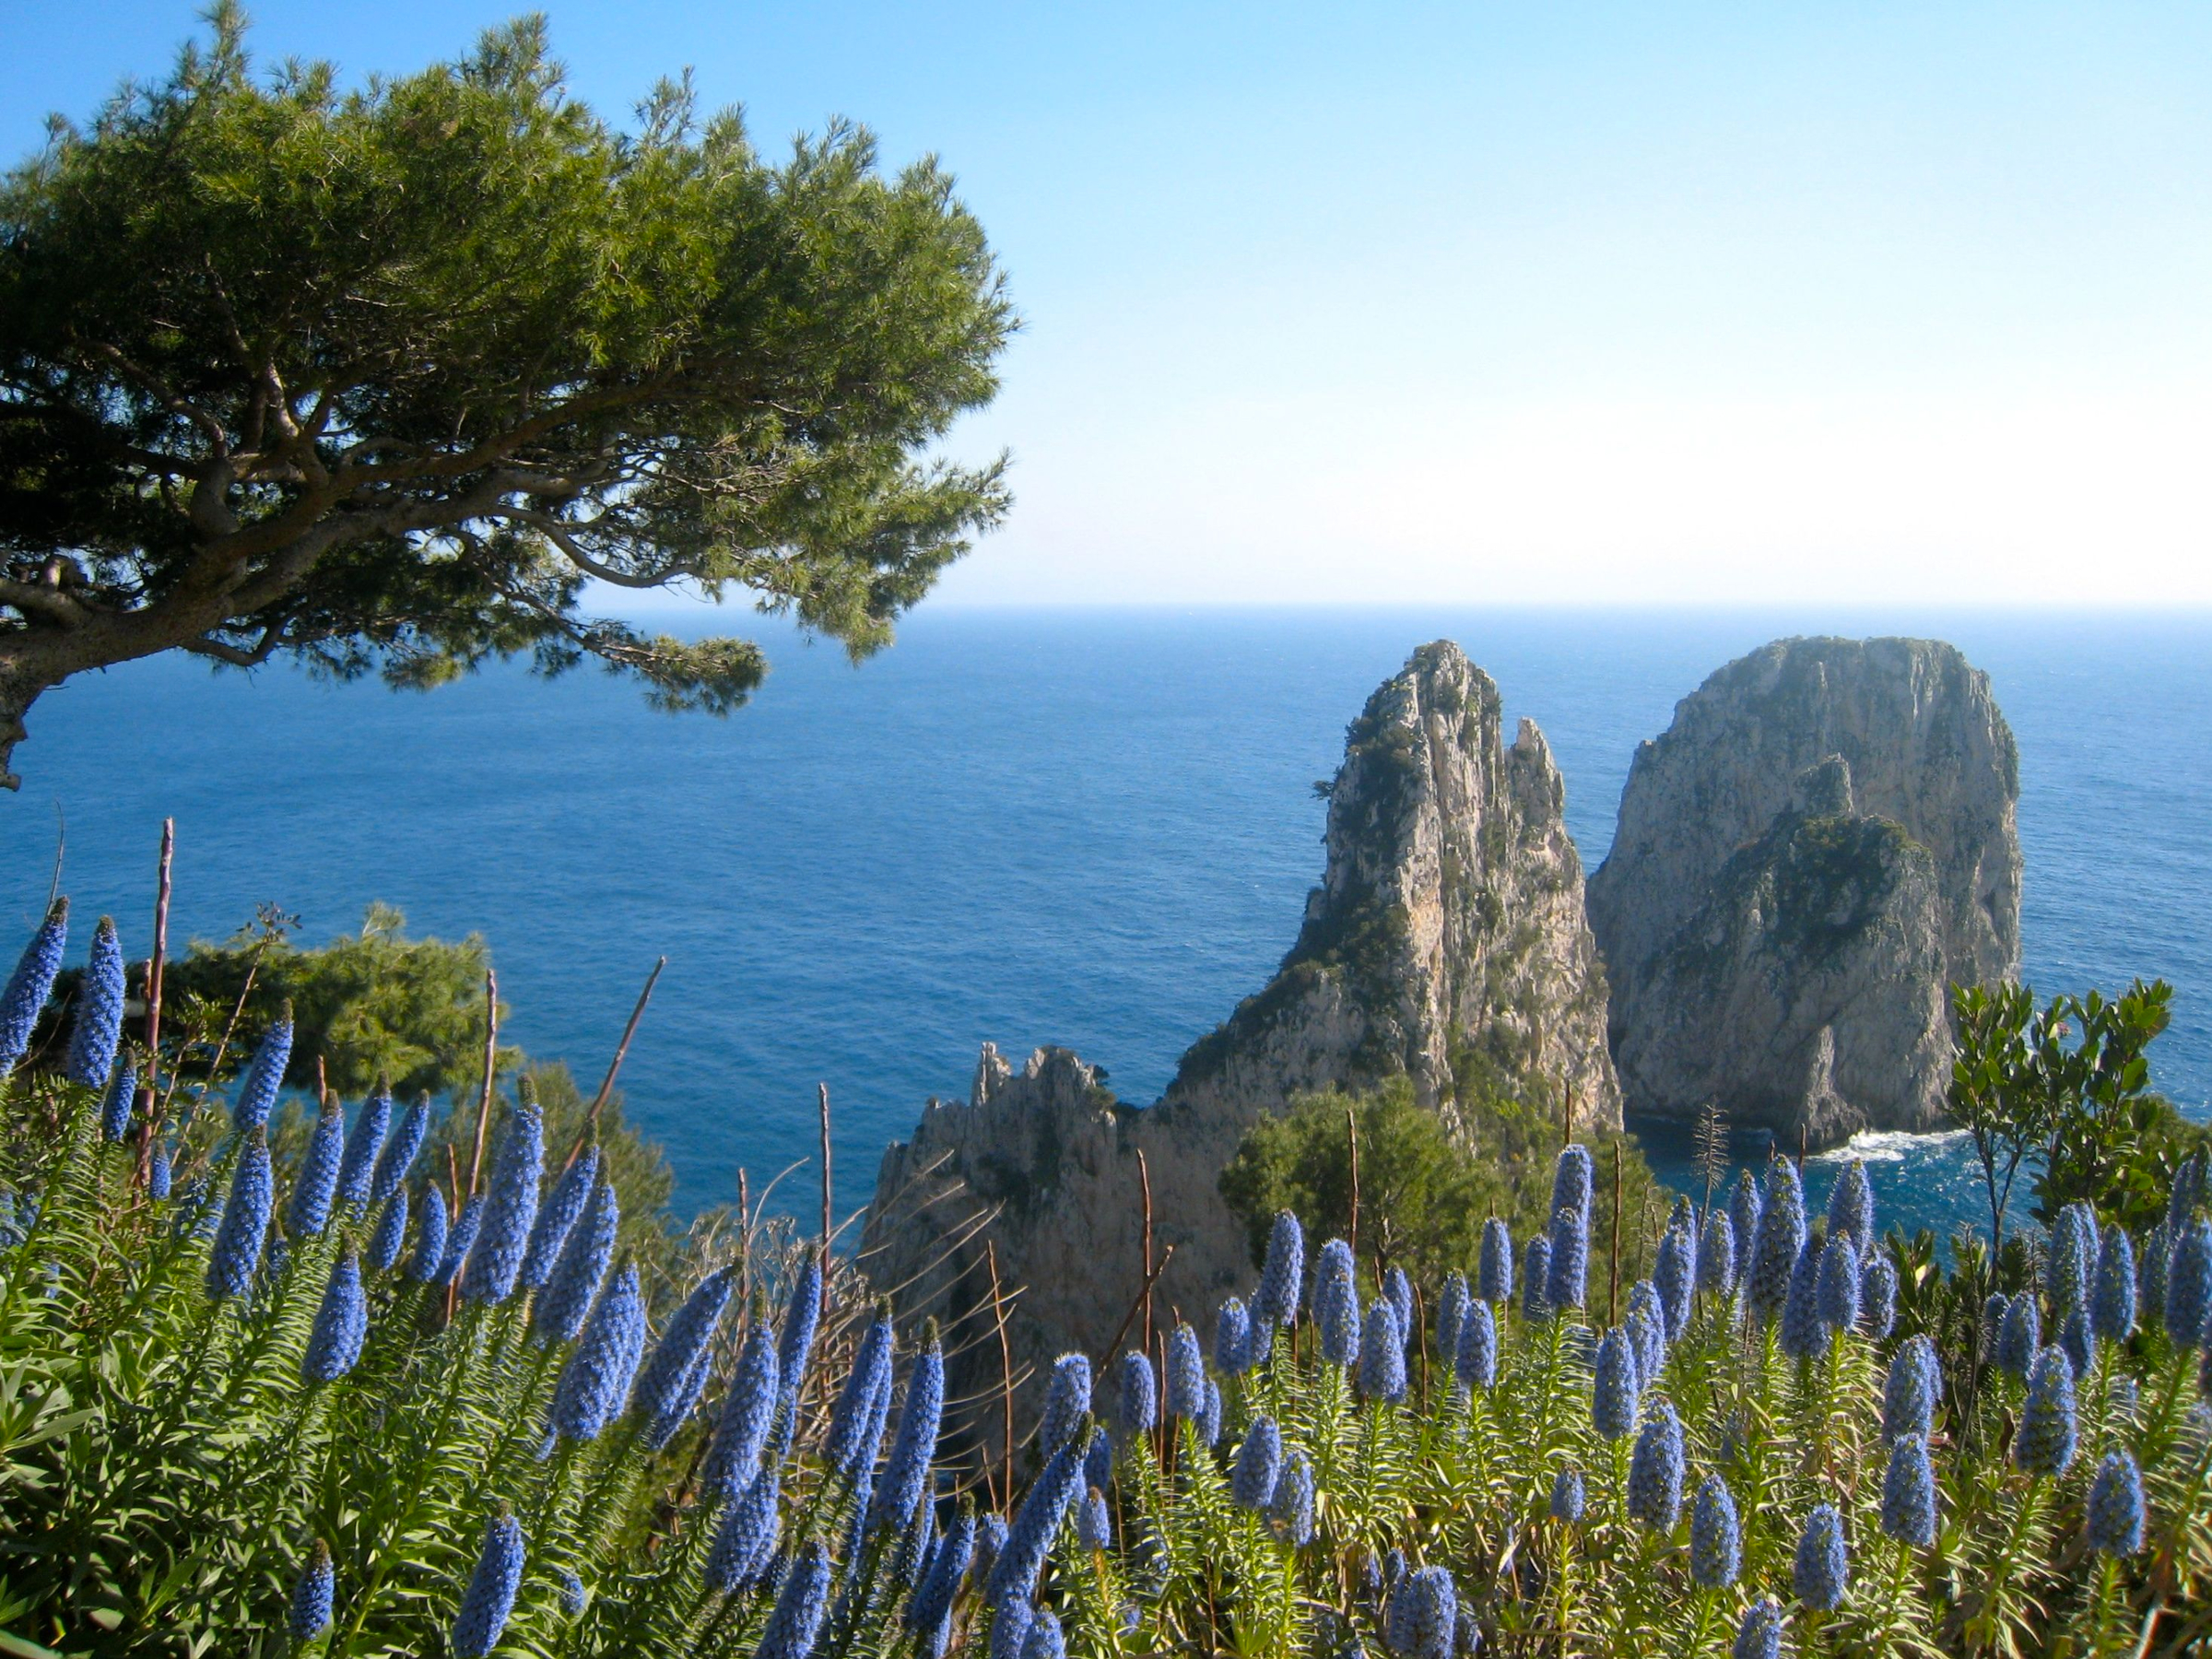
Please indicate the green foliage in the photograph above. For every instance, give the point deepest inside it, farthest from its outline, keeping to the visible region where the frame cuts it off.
(367, 1006)
(1425, 1186)
(2064, 1088)
(382, 378)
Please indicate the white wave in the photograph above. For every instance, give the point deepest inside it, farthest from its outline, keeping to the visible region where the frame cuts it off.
(1887, 1146)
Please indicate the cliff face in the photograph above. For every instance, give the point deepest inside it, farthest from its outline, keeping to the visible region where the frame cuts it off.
(1446, 942)
(1820, 844)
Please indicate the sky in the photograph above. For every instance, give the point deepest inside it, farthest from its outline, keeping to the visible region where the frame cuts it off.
(1867, 304)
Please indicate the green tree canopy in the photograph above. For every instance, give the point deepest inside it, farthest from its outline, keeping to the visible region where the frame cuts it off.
(382, 379)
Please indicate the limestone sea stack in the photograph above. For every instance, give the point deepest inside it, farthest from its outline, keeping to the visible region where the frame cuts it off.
(1447, 940)
(1817, 849)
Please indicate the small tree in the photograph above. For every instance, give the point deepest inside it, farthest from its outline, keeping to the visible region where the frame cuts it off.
(381, 380)
(2068, 1086)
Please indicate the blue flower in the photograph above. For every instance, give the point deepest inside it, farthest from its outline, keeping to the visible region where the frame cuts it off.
(2188, 1192)
(747, 1412)
(1777, 1244)
(1878, 1296)
(1851, 1208)
(31, 984)
(509, 1208)
(341, 1324)
(1646, 1327)
(245, 1223)
(1094, 1526)
(1209, 1420)
(1399, 1289)
(489, 1598)
(1716, 1256)
(2112, 1305)
(1536, 1280)
(264, 1074)
(1036, 1524)
(1822, 1571)
(1908, 1394)
(1097, 1460)
(1010, 1618)
(1567, 1266)
(98, 1027)
(1655, 1470)
(558, 1312)
(933, 1601)
(1676, 1275)
(1477, 1362)
(1139, 1395)
(2115, 1509)
(2020, 1336)
(311, 1595)
(462, 1239)
(2079, 1341)
(746, 1535)
(1716, 1539)
(2189, 1284)
(1494, 1276)
(1744, 1207)
(1335, 1303)
(399, 1155)
(1613, 1400)
(1276, 1301)
(317, 1184)
(2152, 1269)
(666, 1379)
(571, 1593)
(1424, 1615)
(2045, 1443)
(991, 1534)
(1803, 1335)
(1836, 1290)
(1291, 1505)
(116, 1110)
(2073, 1264)
(557, 1218)
(1381, 1353)
(356, 1169)
(595, 1383)
(1908, 1493)
(1759, 1636)
(158, 1175)
(848, 1447)
(1259, 1462)
(1232, 1338)
(920, 1410)
(793, 1626)
(1186, 1373)
(1571, 1183)
(429, 1238)
(1568, 1499)
(1066, 1401)
(1044, 1639)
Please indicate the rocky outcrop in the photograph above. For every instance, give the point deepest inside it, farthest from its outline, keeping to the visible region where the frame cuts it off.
(1446, 943)
(1816, 850)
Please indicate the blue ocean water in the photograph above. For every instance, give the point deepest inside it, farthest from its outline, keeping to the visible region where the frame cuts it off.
(1089, 827)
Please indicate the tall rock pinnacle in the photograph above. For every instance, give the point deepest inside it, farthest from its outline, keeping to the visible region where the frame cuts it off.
(1820, 844)
(1446, 942)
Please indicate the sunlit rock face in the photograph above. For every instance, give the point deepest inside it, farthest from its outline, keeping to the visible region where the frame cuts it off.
(1446, 942)
(1822, 843)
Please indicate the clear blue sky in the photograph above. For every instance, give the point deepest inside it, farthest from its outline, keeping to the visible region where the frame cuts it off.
(1872, 302)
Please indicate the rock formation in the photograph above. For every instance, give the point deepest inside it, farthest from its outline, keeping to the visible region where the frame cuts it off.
(1816, 850)
(1446, 942)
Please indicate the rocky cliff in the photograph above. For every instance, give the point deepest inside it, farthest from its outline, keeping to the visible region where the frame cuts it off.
(1820, 844)
(1446, 942)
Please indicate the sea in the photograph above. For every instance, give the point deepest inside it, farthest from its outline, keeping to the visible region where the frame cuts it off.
(1092, 828)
